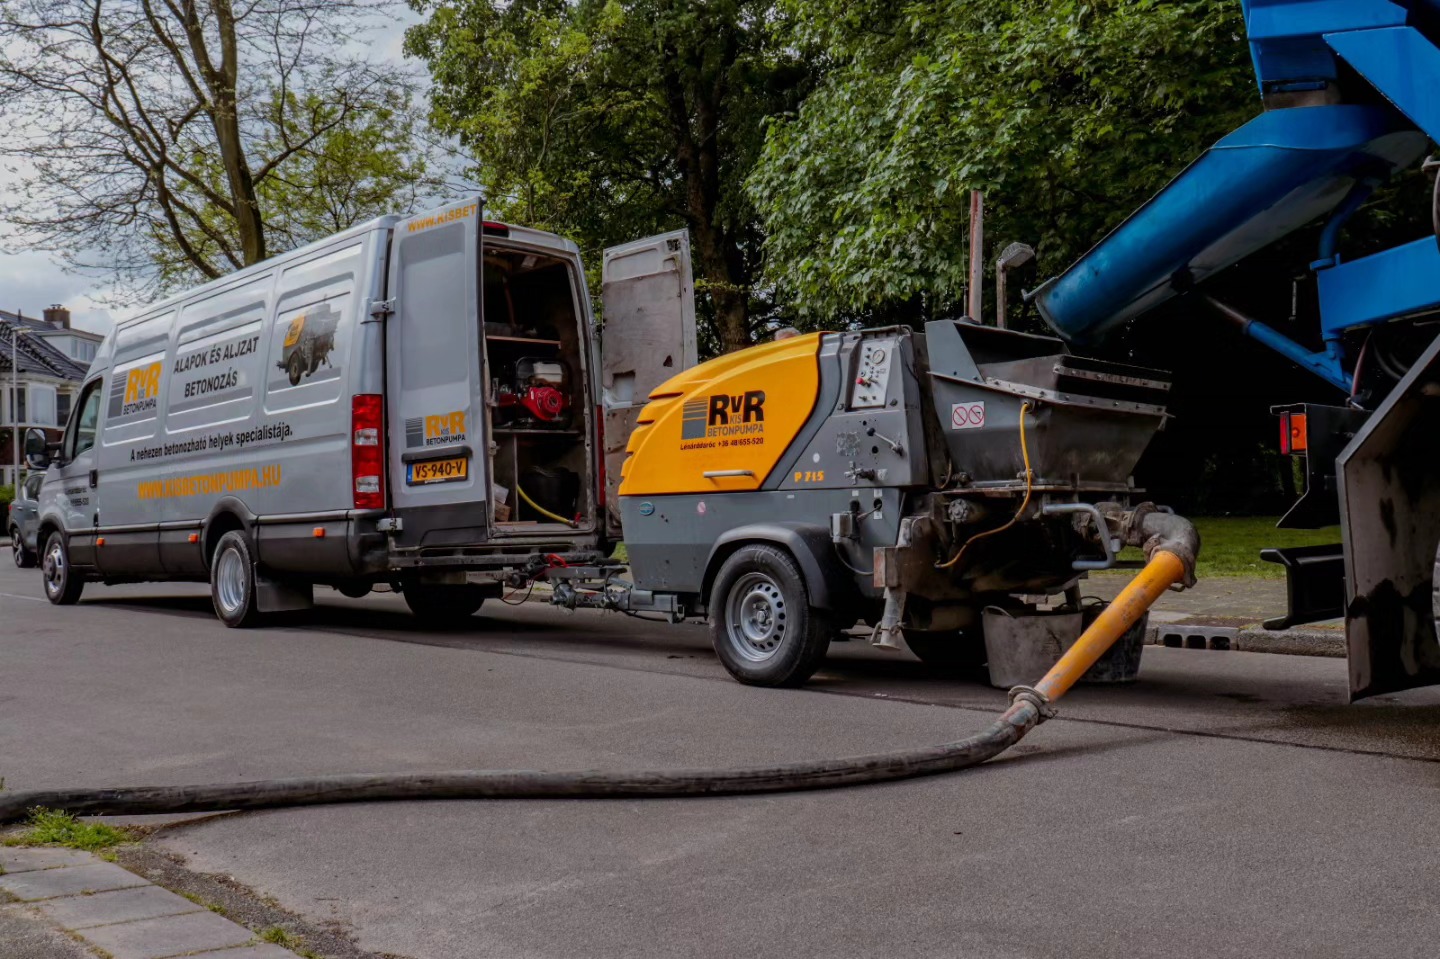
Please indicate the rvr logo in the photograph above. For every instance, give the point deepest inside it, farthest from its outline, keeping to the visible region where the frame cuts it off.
(749, 408)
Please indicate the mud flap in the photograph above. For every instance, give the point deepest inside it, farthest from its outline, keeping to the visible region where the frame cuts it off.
(1389, 482)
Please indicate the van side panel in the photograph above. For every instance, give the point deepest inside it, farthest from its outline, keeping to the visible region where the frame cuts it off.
(238, 398)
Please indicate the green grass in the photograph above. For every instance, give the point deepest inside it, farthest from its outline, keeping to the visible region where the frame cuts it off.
(288, 940)
(1231, 545)
(45, 827)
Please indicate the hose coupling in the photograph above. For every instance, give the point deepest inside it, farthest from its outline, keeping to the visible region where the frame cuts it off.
(1028, 708)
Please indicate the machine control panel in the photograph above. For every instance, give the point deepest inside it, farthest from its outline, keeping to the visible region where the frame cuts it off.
(872, 373)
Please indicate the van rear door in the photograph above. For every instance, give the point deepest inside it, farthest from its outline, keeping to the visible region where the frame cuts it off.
(648, 336)
(438, 460)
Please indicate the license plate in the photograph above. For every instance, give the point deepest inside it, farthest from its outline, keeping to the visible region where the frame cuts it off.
(437, 471)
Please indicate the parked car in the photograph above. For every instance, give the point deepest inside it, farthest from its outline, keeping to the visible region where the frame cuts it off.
(24, 521)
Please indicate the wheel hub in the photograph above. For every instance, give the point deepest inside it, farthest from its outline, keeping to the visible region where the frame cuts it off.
(756, 617)
(230, 581)
(54, 569)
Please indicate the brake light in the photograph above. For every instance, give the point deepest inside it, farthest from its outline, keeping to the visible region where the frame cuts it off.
(491, 228)
(1294, 433)
(367, 450)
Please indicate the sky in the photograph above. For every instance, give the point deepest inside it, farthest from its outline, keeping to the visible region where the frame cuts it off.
(29, 282)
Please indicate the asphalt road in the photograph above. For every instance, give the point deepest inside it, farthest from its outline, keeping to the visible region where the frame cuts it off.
(1229, 804)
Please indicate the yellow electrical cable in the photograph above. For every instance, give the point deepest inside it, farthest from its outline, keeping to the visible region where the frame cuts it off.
(542, 510)
(1029, 484)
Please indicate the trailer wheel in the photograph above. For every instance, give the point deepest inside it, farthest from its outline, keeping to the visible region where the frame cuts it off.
(232, 581)
(295, 368)
(947, 652)
(62, 586)
(23, 555)
(443, 605)
(761, 623)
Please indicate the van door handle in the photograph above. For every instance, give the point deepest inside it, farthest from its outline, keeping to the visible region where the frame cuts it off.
(717, 474)
(94, 478)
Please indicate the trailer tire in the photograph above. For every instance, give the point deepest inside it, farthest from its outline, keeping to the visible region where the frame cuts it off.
(443, 605)
(295, 368)
(949, 652)
(232, 581)
(62, 586)
(761, 623)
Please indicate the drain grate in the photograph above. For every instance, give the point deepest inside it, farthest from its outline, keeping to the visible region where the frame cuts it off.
(1196, 637)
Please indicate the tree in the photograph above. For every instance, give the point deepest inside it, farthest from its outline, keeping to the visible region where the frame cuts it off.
(608, 119)
(175, 140)
(1067, 114)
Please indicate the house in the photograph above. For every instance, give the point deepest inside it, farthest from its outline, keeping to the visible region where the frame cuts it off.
(42, 363)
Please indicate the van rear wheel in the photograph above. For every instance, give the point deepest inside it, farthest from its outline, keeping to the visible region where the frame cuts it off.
(437, 605)
(761, 623)
(232, 581)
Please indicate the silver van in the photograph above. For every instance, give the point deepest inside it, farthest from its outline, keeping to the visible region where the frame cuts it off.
(417, 401)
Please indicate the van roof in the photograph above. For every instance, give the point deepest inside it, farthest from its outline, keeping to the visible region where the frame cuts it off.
(517, 234)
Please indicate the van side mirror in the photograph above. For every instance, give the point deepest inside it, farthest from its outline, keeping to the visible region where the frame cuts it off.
(37, 449)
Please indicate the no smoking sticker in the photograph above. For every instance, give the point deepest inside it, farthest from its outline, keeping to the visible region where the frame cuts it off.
(967, 416)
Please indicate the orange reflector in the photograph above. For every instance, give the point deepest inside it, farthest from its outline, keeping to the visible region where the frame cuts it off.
(99, 541)
(194, 537)
(1294, 434)
(319, 532)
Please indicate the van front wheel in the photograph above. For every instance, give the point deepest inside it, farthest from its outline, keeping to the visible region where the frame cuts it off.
(232, 581)
(62, 585)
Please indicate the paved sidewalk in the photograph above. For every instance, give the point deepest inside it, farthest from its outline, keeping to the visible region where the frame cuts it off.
(66, 900)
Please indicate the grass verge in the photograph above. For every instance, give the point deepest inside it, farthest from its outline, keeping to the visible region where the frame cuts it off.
(46, 827)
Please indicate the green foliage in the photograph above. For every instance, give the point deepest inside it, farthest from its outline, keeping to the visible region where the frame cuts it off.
(47, 827)
(1231, 545)
(1067, 114)
(7, 496)
(609, 120)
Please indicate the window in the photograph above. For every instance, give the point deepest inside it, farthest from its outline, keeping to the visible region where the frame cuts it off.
(62, 408)
(32, 485)
(81, 436)
(42, 405)
(17, 405)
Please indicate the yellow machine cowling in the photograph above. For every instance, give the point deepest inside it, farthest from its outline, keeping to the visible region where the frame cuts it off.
(731, 418)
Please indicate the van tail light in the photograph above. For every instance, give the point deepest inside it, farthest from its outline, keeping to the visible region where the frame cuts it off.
(1294, 433)
(367, 450)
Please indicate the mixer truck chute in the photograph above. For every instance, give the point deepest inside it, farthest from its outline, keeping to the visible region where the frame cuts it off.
(1348, 89)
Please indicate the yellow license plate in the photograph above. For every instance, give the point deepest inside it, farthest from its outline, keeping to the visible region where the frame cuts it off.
(437, 471)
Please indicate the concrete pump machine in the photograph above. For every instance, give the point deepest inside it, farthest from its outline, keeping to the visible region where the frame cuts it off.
(950, 486)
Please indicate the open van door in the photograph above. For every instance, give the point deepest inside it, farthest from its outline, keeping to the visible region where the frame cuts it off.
(648, 294)
(439, 464)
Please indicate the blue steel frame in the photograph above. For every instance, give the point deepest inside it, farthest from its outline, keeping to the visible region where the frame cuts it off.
(1296, 45)
(1280, 171)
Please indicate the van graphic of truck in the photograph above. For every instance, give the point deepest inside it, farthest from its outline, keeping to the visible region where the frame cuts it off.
(308, 342)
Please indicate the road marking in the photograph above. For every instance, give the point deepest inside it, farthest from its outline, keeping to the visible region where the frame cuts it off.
(33, 599)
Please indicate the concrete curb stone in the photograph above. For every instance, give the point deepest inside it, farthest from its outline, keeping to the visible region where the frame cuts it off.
(116, 911)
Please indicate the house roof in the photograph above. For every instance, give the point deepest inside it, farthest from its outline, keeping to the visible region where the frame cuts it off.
(32, 353)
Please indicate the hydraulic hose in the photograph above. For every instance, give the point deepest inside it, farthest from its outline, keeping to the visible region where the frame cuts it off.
(542, 510)
(1028, 708)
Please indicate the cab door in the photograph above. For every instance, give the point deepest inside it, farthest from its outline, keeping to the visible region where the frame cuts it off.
(78, 479)
(438, 461)
(648, 336)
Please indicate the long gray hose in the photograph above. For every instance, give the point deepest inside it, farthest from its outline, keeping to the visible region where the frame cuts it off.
(1025, 713)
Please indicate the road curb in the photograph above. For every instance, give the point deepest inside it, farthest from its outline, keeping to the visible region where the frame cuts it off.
(1326, 643)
